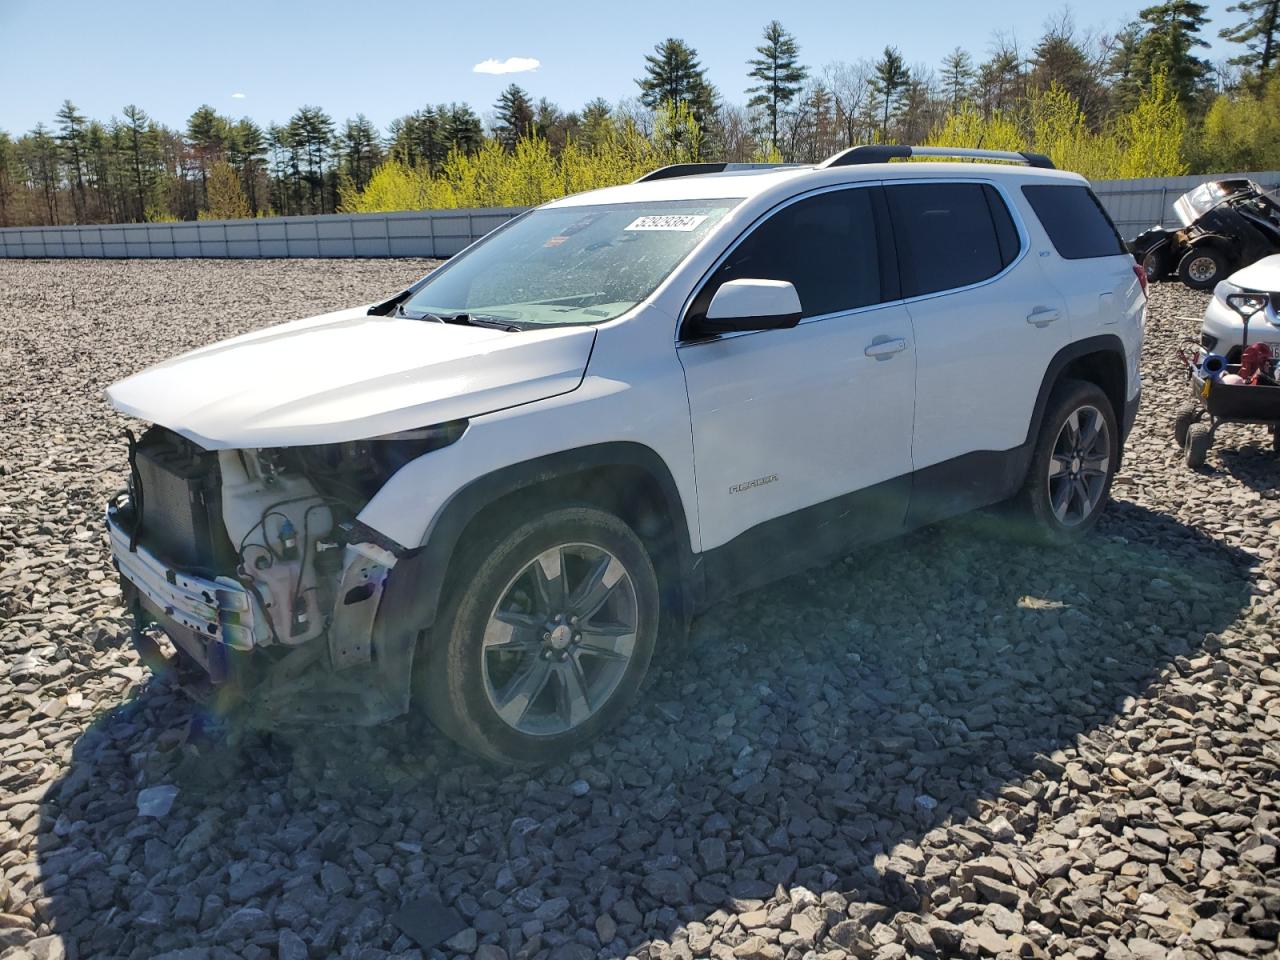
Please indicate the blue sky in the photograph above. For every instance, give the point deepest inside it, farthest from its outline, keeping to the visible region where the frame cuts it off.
(386, 58)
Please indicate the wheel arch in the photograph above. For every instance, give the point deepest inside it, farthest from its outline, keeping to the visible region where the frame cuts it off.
(626, 478)
(1099, 360)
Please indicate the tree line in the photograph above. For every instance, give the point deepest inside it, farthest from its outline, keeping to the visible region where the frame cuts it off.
(1105, 104)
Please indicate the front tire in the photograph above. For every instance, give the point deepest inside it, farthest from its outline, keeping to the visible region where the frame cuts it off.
(545, 638)
(1155, 263)
(1075, 458)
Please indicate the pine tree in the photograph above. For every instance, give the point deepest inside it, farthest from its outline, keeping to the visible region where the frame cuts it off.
(674, 75)
(957, 76)
(39, 154)
(139, 135)
(1126, 85)
(1000, 80)
(597, 122)
(359, 150)
(780, 74)
(7, 158)
(246, 151)
(1059, 58)
(1172, 33)
(312, 130)
(462, 128)
(889, 84)
(1259, 32)
(515, 116)
(71, 131)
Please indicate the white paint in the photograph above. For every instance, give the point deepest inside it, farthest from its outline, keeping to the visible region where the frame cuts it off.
(349, 376)
(754, 298)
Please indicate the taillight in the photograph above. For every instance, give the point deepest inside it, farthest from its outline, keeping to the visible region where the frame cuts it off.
(1142, 277)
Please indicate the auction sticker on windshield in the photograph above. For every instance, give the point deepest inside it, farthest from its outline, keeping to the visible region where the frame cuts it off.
(671, 221)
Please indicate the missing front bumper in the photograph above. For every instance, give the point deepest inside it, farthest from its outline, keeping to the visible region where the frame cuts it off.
(353, 673)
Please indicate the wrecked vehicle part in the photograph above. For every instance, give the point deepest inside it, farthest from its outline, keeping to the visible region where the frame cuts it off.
(1225, 224)
(255, 564)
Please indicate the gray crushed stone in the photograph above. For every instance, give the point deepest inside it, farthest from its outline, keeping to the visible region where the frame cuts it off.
(950, 745)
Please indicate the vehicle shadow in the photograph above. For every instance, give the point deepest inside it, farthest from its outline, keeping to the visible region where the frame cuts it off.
(1251, 459)
(810, 735)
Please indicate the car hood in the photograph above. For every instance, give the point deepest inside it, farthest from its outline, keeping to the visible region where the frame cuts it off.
(348, 376)
(1261, 275)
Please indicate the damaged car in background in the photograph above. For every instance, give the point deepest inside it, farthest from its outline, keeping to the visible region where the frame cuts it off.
(1226, 225)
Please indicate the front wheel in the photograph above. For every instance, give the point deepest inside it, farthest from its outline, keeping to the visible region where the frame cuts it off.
(1155, 264)
(1073, 463)
(545, 638)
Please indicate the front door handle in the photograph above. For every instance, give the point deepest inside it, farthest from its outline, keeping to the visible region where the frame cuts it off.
(1042, 316)
(882, 348)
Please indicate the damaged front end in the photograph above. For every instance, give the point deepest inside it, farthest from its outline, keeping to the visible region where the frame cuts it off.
(256, 566)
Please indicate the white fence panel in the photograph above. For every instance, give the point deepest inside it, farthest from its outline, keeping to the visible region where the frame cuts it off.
(1133, 204)
(418, 233)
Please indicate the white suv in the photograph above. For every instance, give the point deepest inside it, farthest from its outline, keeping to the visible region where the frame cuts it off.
(491, 496)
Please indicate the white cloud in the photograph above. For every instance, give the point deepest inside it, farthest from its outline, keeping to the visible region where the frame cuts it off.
(237, 96)
(509, 65)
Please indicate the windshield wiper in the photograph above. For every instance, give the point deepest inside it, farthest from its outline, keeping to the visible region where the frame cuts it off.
(466, 319)
(481, 320)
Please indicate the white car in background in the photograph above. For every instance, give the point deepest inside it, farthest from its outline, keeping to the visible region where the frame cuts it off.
(1223, 329)
(489, 497)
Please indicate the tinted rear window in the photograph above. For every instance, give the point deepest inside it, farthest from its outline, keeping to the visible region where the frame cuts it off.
(1075, 221)
(949, 234)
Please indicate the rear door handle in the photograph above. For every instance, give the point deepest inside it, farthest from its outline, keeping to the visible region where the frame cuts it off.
(1042, 316)
(882, 348)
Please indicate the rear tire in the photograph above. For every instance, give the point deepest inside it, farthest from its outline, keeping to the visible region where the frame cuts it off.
(1197, 447)
(1186, 415)
(1074, 461)
(544, 639)
(1202, 267)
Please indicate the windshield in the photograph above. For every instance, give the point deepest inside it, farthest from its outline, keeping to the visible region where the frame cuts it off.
(570, 264)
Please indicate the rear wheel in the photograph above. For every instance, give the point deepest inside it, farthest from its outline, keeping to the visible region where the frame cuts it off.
(1073, 464)
(545, 638)
(1199, 439)
(1202, 267)
(1186, 415)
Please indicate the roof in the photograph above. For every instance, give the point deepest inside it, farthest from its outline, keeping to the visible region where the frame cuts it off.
(743, 184)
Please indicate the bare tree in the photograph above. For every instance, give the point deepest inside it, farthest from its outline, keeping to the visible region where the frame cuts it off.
(851, 95)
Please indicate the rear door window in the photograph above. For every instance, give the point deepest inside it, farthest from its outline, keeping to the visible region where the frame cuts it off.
(950, 235)
(1077, 225)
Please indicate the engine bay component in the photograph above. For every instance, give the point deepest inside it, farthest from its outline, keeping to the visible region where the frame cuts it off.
(275, 518)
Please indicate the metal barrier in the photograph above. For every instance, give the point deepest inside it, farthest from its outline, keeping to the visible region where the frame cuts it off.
(415, 233)
(1133, 204)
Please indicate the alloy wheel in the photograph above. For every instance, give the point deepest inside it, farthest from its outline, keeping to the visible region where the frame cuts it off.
(1079, 466)
(560, 639)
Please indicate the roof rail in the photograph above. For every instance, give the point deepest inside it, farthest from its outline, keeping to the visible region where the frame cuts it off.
(697, 169)
(884, 152)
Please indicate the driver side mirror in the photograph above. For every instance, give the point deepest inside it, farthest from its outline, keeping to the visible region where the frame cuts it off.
(748, 304)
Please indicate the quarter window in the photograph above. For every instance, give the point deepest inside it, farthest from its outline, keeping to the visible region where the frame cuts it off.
(1074, 219)
(950, 234)
(825, 245)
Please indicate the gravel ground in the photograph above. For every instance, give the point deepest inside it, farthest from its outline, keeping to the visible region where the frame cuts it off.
(950, 745)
